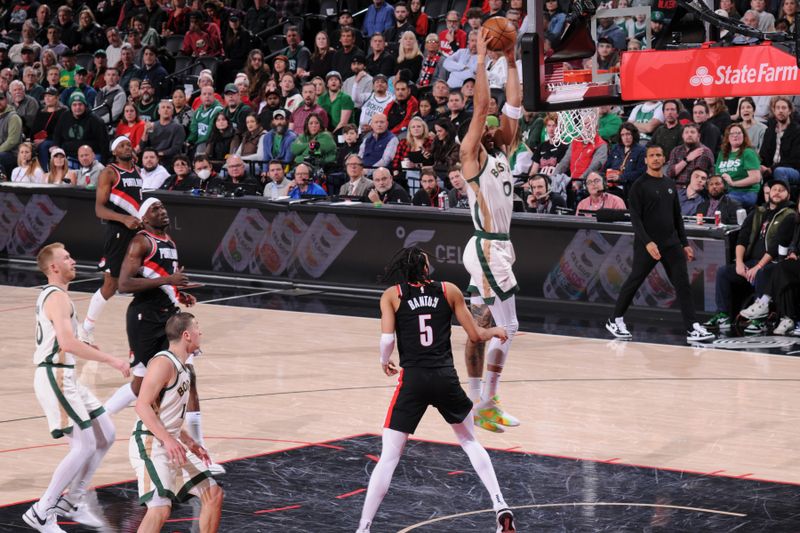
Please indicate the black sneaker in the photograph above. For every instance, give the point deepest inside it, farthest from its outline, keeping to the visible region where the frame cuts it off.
(505, 521)
(619, 330)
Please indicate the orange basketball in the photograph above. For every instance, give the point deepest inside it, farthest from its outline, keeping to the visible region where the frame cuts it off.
(503, 33)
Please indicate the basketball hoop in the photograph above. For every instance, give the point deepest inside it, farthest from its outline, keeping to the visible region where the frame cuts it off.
(575, 124)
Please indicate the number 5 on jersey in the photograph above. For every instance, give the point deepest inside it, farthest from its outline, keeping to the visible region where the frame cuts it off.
(425, 331)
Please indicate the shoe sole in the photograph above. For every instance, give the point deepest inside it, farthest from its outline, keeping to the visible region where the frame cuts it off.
(699, 339)
(618, 335)
(32, 522)
(506, 523)
(756, 317)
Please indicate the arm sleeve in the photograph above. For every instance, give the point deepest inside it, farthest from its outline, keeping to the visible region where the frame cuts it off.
(678, 218)
(635, 208)
(386, 347)
(388, 154)
(14, 130)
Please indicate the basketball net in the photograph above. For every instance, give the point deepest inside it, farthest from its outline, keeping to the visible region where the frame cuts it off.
(575, 124)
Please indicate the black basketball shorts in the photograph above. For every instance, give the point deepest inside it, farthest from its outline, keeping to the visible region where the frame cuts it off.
(417, 388)
(146, 333)
(115, 246)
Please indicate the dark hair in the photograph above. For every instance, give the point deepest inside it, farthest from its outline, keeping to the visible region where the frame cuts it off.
(150, 48)
(401, 4)
(177, 325)
(677, 103)
(275, 162)
(725, 148)
(701, 103)
(653, 146)
(448, 126)
(349, 127)
(308, 119)
(150, 149)
(201, 157)
(693, 125)
(180, 157)
(427, 171)
(544, 177)
(474, 13)
(408, 265)
(627, 126)
(348, 29)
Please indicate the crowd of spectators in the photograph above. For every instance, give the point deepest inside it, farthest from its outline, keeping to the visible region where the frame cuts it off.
(371, 110)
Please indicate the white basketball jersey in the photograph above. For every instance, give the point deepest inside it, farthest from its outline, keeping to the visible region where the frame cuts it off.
(492, 204)
(47, 348)
(171, 403)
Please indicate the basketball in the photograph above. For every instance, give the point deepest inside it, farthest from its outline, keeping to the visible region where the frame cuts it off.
(503, 33)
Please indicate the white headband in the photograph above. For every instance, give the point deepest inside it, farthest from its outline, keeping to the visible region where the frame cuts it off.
(146, 205)
(118, 140)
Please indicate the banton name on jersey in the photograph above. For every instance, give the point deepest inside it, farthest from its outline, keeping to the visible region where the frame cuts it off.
(423, 301)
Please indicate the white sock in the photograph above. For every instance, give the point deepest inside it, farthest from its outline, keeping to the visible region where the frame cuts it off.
(391, 450)
(194, 427)
(490, 385)
(120, 399)
(765, 299)
(474, 389)
(619, 321)
(96, 306)
(480, 462)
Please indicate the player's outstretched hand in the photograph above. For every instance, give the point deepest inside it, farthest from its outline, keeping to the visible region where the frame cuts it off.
(186, 299)
(178, 278)
(175, 451)
(500, 333)
(123, 366)
(132, 223)
(484, 38)
(200, 452)
(390, 368)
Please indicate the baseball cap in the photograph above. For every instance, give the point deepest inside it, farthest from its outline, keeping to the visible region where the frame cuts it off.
(77, 96)
(658, 16)
(56, 150)
(333, 74)
(380, 77)
(492, 121)
(359, 58)
(281, 112)
(51, 90)
(4, 46)
(82, 71)
(67, 53)
(231, 88)
(234, 16)
(283, 57)
(99, 53)
(26, 50)
(774, 181)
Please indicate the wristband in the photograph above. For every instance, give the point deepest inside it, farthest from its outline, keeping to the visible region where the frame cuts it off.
(512, 111)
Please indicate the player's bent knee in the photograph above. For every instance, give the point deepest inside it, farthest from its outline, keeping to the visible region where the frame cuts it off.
(213, 497)
(512, 329)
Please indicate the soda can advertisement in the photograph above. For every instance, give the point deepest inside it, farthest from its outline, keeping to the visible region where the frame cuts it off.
(40, 218)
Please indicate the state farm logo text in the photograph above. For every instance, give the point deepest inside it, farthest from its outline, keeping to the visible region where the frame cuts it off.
(729, 75)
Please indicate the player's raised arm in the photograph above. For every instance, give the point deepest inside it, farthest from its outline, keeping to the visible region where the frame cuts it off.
(464, 317)
(58, 310)
(509, 118)
(471, 152)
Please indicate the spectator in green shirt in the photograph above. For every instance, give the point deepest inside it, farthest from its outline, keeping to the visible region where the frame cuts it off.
(739, 165)
(315, 146)
(336, 102)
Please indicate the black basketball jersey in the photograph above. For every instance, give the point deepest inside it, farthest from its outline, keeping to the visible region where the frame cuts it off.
(422, 323)
(126, 191)
(161, 262)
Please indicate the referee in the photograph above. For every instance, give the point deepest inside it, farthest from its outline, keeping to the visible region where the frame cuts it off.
(659, 235)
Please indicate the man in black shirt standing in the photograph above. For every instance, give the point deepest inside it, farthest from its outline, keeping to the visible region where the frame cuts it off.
(420, 311)
(659, 235)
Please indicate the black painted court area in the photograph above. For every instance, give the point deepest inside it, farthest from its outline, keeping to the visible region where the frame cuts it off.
(320, 488)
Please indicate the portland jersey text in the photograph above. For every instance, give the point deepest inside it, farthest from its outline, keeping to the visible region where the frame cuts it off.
(162, 261)
(126, 191)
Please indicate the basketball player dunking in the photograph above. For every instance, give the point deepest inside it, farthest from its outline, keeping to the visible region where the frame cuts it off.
(70, 407)
(152, 273)
(158, 446)
(420, 310)
(117, 201)
(489, 254)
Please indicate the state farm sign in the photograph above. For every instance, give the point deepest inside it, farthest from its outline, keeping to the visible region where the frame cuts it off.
(762, 70)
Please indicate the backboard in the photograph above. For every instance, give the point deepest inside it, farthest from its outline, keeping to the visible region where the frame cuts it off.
(564, 66)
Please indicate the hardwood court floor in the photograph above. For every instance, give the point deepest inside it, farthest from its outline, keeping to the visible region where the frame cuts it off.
(271, 379)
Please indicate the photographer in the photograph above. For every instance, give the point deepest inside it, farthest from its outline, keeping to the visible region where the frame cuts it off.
(315, 146)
